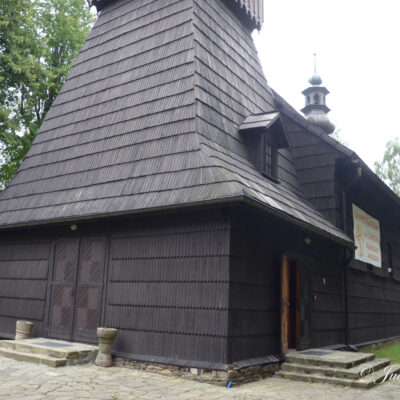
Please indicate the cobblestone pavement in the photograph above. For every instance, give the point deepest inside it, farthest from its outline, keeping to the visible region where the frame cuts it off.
(23, 381)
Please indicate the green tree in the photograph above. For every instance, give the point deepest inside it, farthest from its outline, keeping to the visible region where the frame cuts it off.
(39, 40)
(389, 169)
(337, 135)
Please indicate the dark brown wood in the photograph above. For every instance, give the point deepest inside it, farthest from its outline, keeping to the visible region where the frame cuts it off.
(285, 306)
(77, 288)
(148, 122)
(297, 305)
(63, 288)
(89, 288)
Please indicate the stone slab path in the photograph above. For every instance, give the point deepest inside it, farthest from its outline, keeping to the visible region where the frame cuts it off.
(22, 381)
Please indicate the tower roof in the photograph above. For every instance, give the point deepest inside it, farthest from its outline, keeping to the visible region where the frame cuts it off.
(148, 119)
(316, 110)
(250, 11)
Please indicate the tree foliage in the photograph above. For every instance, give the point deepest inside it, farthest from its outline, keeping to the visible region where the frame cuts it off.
(337, 135)
(389, 169)
(39, 40)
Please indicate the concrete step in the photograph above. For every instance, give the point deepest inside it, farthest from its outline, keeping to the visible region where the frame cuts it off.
(33, 358)
(73, 353)
(390, 372)
(356, 372)
(329, 358)
(367, 382)
(314, 378)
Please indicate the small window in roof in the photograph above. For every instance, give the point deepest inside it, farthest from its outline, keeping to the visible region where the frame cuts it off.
(264, 134)
(270, 158)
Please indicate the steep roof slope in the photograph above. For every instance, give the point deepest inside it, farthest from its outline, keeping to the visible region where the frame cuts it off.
(149, 117)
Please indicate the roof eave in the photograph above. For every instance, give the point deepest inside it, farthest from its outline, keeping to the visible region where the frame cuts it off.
(242, 198)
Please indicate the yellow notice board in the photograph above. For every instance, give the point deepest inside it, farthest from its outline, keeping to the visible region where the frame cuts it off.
(367, 236)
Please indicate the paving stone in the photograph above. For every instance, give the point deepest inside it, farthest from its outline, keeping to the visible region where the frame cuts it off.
(23, 381)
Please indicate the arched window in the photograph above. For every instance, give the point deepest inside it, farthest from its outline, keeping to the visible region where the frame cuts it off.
(307, 100)
(316, 98)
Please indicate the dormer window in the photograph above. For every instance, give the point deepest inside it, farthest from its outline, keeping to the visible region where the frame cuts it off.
(264, 134)
(270, 158)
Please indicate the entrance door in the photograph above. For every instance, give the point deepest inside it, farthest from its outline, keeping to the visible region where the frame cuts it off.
(77, 289)
(296, 305)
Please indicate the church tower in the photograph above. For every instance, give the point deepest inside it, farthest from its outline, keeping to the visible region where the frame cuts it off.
(316, 110)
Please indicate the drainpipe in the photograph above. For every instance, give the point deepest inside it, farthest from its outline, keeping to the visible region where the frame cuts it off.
(347, 260)
(346, 297)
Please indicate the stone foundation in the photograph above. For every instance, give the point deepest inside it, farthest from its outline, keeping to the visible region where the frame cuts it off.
(234, 375)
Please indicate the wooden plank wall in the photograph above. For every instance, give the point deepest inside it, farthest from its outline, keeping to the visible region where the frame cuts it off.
(258, 243)
(374, 292)
(168, 289)
(24, 267)
(254, 316)
(374, 306)
(314, 161)
(328, 317)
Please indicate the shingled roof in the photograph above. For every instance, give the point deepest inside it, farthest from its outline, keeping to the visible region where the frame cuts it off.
(148, 118)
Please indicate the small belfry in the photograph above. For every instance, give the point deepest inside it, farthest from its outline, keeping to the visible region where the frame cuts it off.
(316, 110)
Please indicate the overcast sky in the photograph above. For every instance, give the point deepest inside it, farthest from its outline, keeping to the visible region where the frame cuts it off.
(358, 55)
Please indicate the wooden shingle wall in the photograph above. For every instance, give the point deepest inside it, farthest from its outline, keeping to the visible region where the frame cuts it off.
(120, 135)
(258, 244)
(375, 292)
(229, 86)
(314, 162)
(254, 316)
(374, 306)
(168, 290)
(24, 269)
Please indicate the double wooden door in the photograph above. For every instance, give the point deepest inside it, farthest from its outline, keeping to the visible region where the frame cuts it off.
(77, 288)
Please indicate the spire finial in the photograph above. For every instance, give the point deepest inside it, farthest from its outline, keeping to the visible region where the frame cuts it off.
(315, 80)
(315, 63)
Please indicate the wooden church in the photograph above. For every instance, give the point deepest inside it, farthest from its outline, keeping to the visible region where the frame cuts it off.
(173, 195)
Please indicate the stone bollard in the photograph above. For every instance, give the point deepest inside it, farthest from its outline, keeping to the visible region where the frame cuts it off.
(23, 330)
(106, 337)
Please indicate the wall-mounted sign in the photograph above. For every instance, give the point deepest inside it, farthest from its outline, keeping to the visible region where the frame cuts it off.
(367, 236)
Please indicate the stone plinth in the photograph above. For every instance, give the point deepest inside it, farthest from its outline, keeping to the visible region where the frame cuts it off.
(106, 337)
(23, 330)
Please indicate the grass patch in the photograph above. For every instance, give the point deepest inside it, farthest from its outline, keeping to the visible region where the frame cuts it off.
(389, 350)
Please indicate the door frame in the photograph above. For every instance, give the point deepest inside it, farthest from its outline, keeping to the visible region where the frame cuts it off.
(303, 264)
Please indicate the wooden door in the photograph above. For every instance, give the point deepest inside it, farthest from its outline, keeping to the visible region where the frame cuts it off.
(89, 289)
(305, 308)
(77, 289)
(285, 305)
(63, 289)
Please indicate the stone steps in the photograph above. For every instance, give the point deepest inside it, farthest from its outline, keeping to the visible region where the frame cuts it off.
(347, 373)
(349, 369)
(53, 353)
(366, 383)
(33, 358)
(329, 358)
